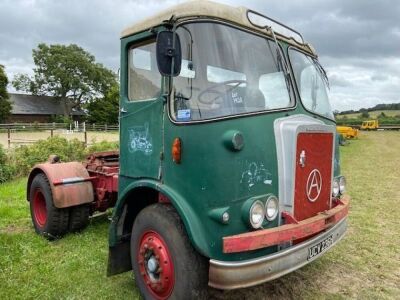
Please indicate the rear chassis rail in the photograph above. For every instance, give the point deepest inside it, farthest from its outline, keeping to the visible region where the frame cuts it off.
(103, 167)
(94, 182)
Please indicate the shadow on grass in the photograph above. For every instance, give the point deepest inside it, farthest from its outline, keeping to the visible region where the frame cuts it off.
(297, 285)
(100, 218)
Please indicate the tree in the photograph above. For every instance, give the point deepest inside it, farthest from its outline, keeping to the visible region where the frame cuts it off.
(67, 72)
(5, 105)
(364, 114)
(105, 110)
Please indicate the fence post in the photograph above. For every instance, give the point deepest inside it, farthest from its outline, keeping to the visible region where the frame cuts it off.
(51, 132)
(85, 133)
(105, 127)
(9, 137)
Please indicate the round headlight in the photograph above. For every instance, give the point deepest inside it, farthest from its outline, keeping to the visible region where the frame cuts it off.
(342, 184)
(271, 208)
(257, 214)
(335, 187)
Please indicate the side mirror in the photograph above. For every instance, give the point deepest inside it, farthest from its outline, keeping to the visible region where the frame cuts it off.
(169, 54)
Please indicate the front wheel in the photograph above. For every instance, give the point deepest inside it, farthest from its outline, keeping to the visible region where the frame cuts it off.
(164, 262)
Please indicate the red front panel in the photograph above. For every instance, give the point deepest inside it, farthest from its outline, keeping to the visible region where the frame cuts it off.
(313, 174)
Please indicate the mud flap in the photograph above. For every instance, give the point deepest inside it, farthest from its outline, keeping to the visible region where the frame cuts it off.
(119, 259)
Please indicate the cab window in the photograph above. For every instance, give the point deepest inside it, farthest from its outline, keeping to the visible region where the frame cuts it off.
(227, 71)
(144, 78)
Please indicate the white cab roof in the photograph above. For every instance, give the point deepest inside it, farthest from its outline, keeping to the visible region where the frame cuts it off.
(206, 9)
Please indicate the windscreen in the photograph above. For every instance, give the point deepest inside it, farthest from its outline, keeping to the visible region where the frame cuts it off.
(311, 83)
(227, 71)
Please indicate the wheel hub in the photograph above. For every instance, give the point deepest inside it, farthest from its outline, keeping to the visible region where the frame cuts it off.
(152, 264)
(155, 265)
(39, 208)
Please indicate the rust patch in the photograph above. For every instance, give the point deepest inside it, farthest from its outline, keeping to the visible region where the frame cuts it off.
(70, 194)
(288, 232)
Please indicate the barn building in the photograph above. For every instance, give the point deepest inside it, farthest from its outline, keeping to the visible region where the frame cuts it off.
(40, 109)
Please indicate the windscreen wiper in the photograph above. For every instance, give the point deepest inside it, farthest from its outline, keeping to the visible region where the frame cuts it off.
(281, 57)
(281, 61)
(321, 70)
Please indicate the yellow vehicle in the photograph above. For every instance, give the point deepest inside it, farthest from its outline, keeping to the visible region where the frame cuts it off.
(347, 132)
(370, 125)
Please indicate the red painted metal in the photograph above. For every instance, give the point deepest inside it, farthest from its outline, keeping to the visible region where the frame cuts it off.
(163, 199)
(317, 149)
(39, 208)
(103, 167)
(160, 283)
(94, 181)
(288, 218)
(66, 195)
(286, 233)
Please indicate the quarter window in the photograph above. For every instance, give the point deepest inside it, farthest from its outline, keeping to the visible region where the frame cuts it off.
(311, 84)
(144, 78)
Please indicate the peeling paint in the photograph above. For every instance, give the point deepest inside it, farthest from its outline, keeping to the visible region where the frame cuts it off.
(255, 173)
(140, 139)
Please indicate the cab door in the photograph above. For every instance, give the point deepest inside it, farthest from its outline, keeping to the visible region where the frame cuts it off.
(141, 109)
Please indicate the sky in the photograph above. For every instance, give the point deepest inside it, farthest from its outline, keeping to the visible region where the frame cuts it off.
(358, 41)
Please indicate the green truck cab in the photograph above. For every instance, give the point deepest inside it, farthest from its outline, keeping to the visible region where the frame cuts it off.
(228, 173)
(225, 125)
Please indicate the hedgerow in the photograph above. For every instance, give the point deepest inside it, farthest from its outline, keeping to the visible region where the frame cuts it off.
(18, 162)
(6, 170)
(102, 146)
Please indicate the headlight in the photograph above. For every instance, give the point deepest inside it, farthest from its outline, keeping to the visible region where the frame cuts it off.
(271, 208)
(335, 187)
(342, 184)
(257, 214)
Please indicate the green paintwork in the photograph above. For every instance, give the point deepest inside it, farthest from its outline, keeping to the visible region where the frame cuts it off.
(212, 177)
(141, 137)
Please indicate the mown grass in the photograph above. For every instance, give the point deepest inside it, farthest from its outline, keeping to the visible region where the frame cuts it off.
(71, 268)
(365, 265)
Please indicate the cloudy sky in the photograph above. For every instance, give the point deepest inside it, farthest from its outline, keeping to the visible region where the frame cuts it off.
(358, 41)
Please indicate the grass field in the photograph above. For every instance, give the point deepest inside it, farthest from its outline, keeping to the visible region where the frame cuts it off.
(372, 114)
(25, 137)
(365, 265)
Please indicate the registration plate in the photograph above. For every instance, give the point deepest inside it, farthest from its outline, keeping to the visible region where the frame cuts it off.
(317, 249)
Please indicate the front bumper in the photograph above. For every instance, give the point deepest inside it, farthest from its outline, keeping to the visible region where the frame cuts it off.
(231, 275)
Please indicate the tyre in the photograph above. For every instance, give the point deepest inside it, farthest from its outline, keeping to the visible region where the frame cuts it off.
(165, 264)
(48, 220)
(79, 217)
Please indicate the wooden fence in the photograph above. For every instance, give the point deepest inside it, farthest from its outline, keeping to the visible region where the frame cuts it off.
(80, 127)
(26, 133)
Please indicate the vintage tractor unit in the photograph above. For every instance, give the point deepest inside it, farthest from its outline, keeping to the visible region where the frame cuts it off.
(228, 172)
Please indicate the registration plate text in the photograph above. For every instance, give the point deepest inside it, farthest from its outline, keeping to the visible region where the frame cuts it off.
(317, 249)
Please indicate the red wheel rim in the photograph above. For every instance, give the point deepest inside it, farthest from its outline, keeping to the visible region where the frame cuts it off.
(39, 208)
(155, 265)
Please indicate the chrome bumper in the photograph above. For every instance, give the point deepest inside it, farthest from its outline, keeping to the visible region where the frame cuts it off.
(232, 275)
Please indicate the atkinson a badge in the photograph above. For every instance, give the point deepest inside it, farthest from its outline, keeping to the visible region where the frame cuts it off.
(314, 185)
